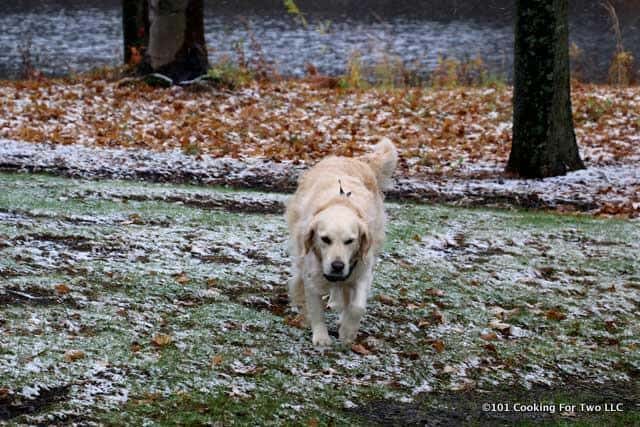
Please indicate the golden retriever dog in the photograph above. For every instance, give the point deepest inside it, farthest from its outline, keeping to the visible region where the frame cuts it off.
(336, 224)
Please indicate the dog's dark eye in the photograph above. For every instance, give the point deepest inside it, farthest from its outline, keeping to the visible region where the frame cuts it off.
(326, 240)
(348, 242)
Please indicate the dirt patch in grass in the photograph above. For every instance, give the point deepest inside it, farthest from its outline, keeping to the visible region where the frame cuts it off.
(79, 243)
(12, 406)
(35, 296)
(489, 197)
(202, 202)
(572, 402)
(30, 295)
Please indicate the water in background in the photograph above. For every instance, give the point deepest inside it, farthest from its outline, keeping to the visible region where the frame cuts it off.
(72, 36)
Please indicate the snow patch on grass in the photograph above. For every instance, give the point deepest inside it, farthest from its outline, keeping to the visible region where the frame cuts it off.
(166, 300)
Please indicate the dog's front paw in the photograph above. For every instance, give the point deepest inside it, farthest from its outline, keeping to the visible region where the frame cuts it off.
(321, 339)
(347, 333)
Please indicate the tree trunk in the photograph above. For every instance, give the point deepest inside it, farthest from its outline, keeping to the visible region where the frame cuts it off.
(544, 141)
(176, 39)
(135, 25)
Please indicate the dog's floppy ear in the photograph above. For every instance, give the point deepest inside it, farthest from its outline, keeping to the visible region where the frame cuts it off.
(307, 237)
(365, 241)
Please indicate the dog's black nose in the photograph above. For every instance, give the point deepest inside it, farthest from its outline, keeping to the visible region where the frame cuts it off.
(337, 266)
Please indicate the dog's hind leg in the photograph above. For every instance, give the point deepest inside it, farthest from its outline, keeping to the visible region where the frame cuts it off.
(296, 291)
(296, 294)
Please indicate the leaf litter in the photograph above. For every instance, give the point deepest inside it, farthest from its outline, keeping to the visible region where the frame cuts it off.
(453, 142)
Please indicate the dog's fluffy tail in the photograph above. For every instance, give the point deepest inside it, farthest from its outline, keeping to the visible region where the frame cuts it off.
(383, 161)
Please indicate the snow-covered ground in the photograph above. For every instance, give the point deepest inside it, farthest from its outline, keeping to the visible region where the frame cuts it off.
(613, 189)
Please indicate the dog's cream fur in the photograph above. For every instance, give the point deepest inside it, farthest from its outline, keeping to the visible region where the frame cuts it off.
(336, 224)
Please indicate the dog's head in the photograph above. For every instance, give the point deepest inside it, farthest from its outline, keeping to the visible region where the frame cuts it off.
(339, 238)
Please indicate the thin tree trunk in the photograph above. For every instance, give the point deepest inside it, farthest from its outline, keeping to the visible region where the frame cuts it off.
(544, 141)
(176, 41)
(135, 25)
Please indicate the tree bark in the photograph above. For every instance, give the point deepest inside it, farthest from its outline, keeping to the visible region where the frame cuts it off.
(176, 39)
(135, 25)
(544, 140)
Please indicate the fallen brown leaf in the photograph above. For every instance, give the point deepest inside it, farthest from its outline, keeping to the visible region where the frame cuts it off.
(438, 345)
(437, 317)
(424, 324)
(73, 355)
(135, 218)
(489, 336)
(491, 349)
(62, 289)
(182, 279)
(555, 315)
(386, 299)
(297, 321)
(161, 340)
(498, 325)
(4, 393)
(360, 349)
(435, 292)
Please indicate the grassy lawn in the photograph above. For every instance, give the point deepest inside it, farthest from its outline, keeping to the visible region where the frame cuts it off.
(125, 302)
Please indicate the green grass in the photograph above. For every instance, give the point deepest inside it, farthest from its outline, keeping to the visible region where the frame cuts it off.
(213, 280)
